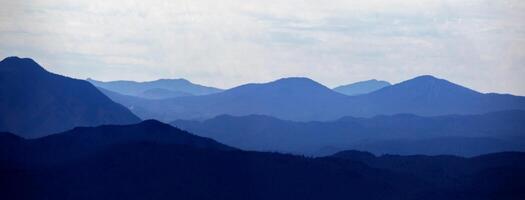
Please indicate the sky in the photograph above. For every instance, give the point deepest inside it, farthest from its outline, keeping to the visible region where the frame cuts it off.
(476, 43)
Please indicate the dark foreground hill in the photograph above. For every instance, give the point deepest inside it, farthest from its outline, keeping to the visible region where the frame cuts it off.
(35, 102)
(465, 135)
(152, 160)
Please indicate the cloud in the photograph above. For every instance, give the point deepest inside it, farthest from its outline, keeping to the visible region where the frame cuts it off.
(478, 43)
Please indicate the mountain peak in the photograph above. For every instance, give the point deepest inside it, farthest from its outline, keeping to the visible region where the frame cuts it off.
(435, 84)
(36, 102)
(297, 78)
(152, 122)
(426, 91)
(295, 81)
(145, 125)
(17, 63)
(170, 88)
(16, 58)
(289, 86)
(182, 80)
(373, 81)
(427, 78)
(432, 83)
(361, 87)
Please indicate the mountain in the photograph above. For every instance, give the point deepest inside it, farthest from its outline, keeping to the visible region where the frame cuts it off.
(362, 87)
(434, 167)
(429, 96)
(302, 99)
(446, 169)
(133, 103)
(289, 98)
(159, 89)
(406, 134)
(151, 160)
(88, 140)
(161, 93)
(35, 102)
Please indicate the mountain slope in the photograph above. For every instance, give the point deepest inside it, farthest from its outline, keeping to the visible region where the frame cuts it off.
(446, 170)
(158, 89)
(290, 98)
(34, 102)
(362, 87)
(301, 99)
(400, 134)
(151, 160)
(87, 140)
(427, 95)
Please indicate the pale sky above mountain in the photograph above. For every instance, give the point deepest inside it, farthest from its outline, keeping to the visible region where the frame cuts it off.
(476, 43)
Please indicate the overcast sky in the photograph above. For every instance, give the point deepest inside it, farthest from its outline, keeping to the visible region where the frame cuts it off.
(476, 43)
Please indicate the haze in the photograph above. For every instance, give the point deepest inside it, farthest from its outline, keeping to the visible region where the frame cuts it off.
(476, 43)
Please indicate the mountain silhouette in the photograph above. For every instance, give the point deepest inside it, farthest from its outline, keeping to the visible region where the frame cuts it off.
(35, 102)
(430, 96)
(158, 89)
(362, 87)
(302, 99)
(88, 140)
(465, 135)
(427, 95)
(289, 98)
(152, 160)
(161, 93)
(444, 168)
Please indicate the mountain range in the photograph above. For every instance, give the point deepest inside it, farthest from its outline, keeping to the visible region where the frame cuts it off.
(63, 138)
(430, 96)
(302, 99)
(35, 102)
(158, 89)
(362, 87)
(293, 115)
(152, 160)
(406, 134)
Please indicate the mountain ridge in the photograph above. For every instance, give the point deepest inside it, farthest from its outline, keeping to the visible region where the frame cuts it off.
(303, 99)
(173, 87)
(35, 102)
(361, 87)
(400, 133)
(140, 168)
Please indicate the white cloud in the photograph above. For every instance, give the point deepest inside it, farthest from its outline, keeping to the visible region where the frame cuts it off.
(478, 43)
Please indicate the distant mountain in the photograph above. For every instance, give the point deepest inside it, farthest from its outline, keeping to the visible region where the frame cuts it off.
(362, 87)
(151, 160)
(161, 93)
(302, 99)
(159, 89)
(427, 95)
(406, 134)
(35, 102)
(290, 98)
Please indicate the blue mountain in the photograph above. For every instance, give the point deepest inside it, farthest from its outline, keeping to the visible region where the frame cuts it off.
(406, 134)
(158, 89)
(430, 96)
(362, 87)
(35, 102)
(289, 98)
(302, 99)
(152, 160)
(88, 140)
